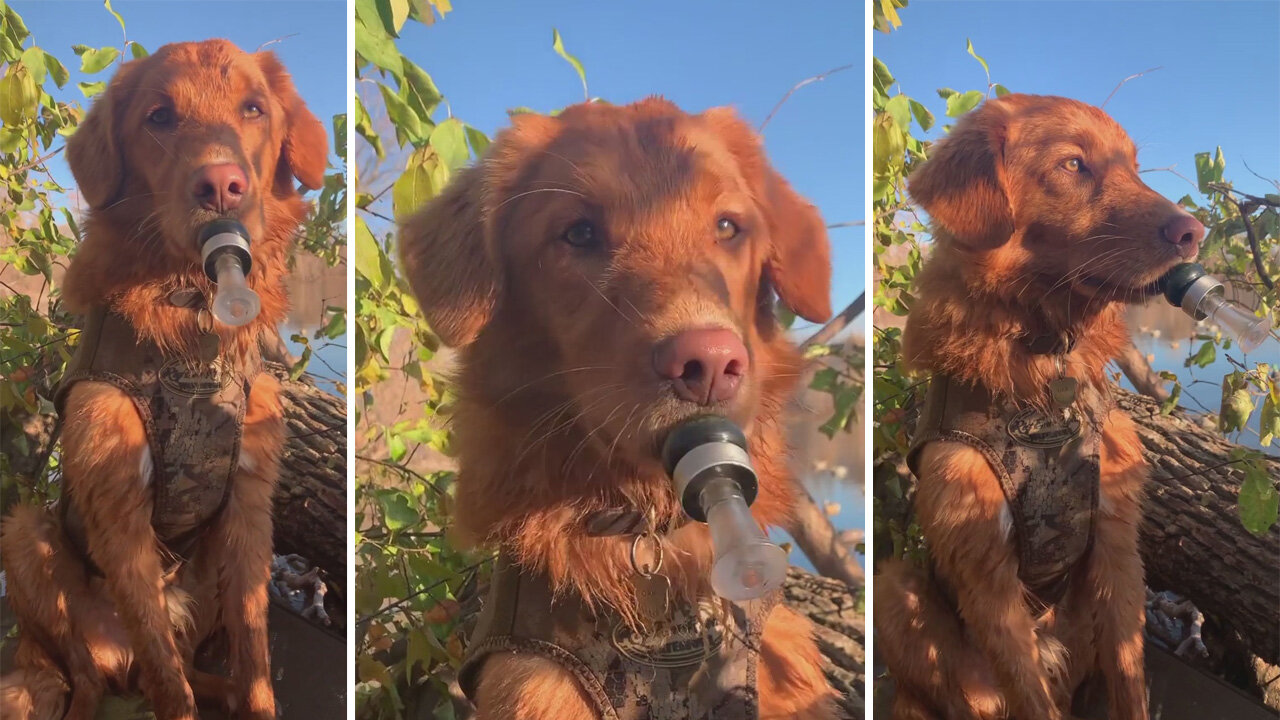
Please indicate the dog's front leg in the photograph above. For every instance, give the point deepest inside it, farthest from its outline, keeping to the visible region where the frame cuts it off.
(107, 475)
(960, 507)
(1115, 573)
(240, 544)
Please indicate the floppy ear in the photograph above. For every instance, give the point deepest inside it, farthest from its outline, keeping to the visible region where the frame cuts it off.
(445, 256)
(306, 144)
(961, 185)
(92, 151)
(799, 261)
(448, 248)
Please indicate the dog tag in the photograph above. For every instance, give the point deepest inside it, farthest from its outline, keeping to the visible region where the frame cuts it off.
(653, 598)
(1063, 391)
(209, 346)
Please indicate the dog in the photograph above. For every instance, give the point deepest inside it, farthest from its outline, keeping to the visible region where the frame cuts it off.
(606, 274)
(1043, 232)
(104, 598)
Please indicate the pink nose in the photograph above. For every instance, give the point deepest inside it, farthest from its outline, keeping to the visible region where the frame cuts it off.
(704, 366)
(220, 187)
(1185, 232)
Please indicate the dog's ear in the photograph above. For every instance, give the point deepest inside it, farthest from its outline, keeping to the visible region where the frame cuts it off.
(799, 260)
(93, 152)
(449, 250)
(305, 153)
(447, 260)
(962, 184)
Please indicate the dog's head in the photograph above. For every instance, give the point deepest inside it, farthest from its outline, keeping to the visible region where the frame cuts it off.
(622, 260)
(195, 132)
(1045, 190)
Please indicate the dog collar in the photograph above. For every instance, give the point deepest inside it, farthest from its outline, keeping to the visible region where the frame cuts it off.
(1050, 343)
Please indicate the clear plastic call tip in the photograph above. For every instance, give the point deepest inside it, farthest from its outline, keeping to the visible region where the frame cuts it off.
(1200, 295)
(224, 248)
(712, 474)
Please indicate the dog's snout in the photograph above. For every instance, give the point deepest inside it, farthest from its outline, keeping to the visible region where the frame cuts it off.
(1185, 232)
(704, 366)
(220, 187)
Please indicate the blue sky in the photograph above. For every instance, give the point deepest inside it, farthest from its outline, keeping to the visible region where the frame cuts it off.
(487, 57)
(315, 55)
(1217, 85)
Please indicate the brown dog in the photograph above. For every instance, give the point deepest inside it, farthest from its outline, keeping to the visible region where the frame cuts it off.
(196, 131)
(606, 274)
(1043, 232)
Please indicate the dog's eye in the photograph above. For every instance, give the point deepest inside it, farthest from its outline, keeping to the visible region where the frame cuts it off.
(160, 116)
(726, 229)
(581, 234)
(252, 110)
(1073, 165)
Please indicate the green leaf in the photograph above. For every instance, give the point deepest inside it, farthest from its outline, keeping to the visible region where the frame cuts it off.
(107, 5)
(56, 70)
(92, 61)
(419, 90)
(968, 46)
(881, 78)
(19, 96)
(1209, 171)
(477, 140)
(922, 115)
(33, 59)
(1237, 403)
(899, 108)
(958, 105)
(407, 123)
(557, 44)
(412, 189)
(399, 13)
(89, 89)
(374, 45)
(1269, 425)
(364, 128)
(136, 50)
(450, 143)
(1001, 90)
(1259, 501)
(369, 255)
(1204, 357)
(397, 511)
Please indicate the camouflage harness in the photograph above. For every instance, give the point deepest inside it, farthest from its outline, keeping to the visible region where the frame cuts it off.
(708, 674)
(1048, 471)
(193, 412)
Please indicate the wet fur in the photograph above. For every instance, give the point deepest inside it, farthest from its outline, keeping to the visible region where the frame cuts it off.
(541, 330)
(82, 636)
(1014, 246)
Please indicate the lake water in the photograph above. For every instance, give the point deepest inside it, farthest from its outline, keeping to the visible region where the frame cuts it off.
(314, 286)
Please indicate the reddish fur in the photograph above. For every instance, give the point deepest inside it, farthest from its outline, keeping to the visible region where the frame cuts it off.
(559, 412)
(1014, 241)
(140, 245)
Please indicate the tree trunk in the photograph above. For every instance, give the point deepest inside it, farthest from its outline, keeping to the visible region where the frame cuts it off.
(311, 498)
(1192, 540)
(836, 613)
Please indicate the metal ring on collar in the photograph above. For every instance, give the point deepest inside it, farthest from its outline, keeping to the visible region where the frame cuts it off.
(646, 571)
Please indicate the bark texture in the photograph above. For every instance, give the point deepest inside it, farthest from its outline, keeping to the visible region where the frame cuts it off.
(1192, 540)
(311, 498)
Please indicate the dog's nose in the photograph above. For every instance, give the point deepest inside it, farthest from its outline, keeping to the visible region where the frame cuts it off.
(1185, 232)
(704, 366)
(220, 187)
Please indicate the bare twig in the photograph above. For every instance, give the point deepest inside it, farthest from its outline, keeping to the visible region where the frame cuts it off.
(1131, 77)
(837, 323)
(797, 86)
(1245, 209)
(282, 38)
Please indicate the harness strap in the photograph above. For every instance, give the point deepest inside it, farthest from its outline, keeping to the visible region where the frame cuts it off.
(193, 414)
(1051, 488)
